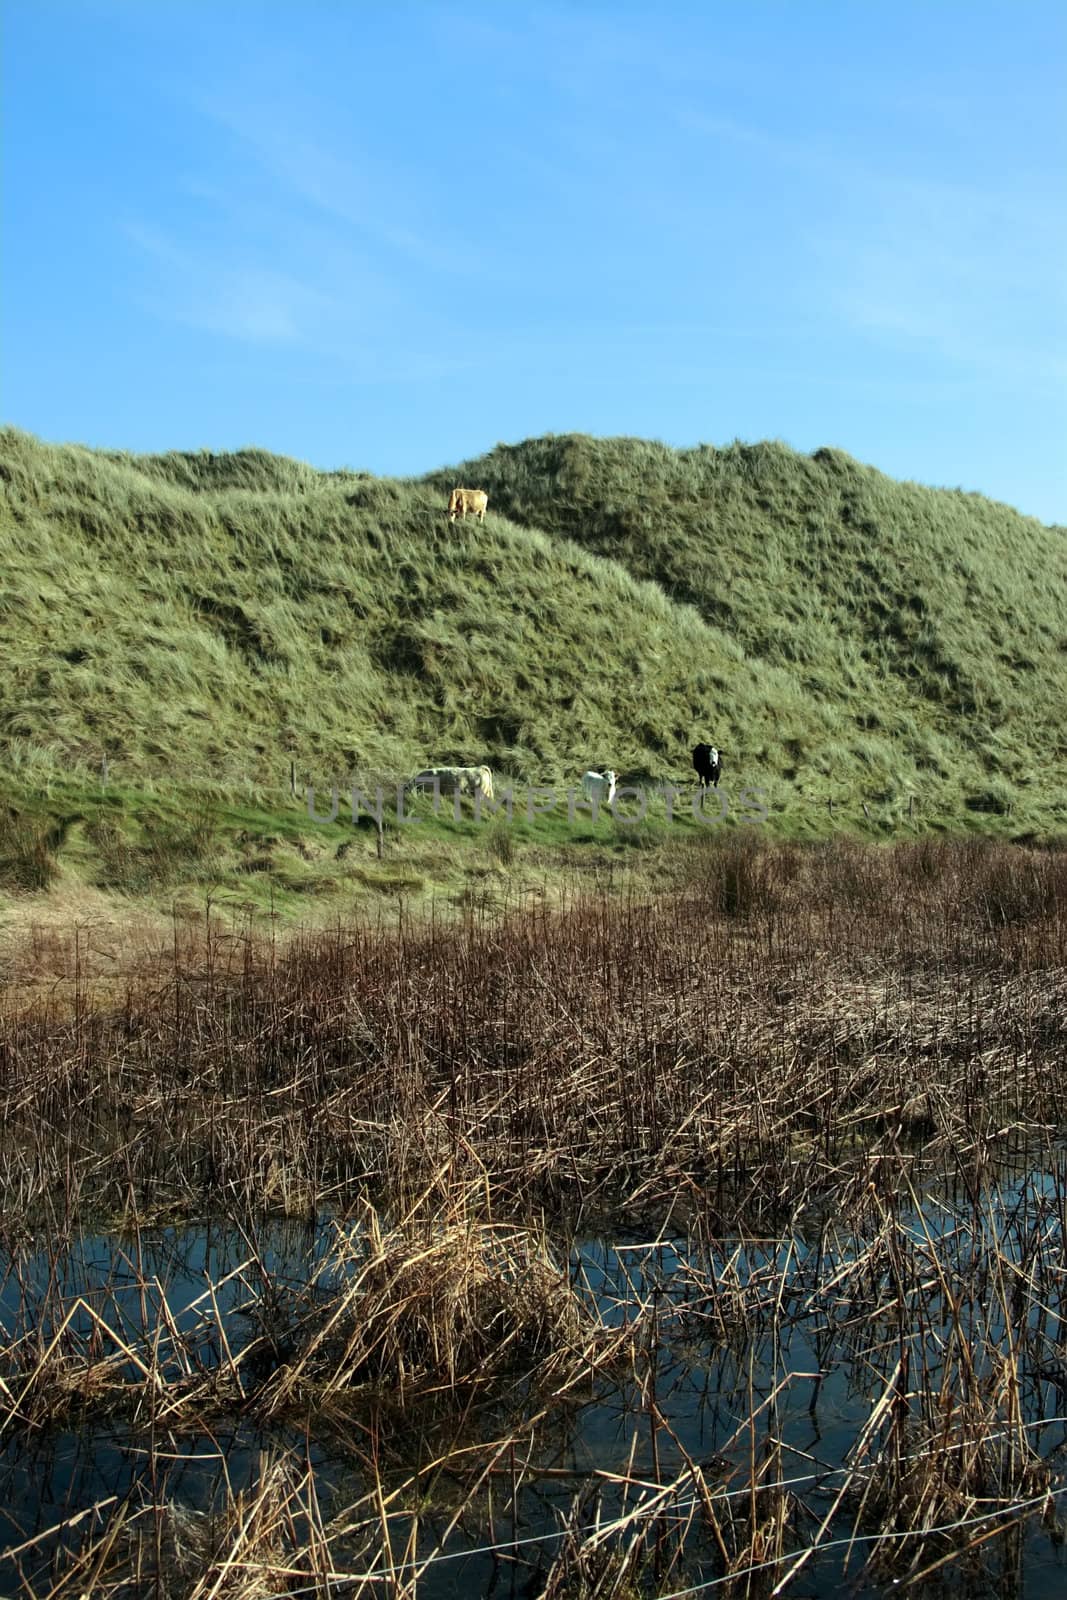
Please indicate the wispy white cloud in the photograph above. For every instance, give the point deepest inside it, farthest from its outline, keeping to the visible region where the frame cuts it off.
(954, 269)
(943, 265)
(239, 299)
(310, 164)
(342, 332)
(297, 229)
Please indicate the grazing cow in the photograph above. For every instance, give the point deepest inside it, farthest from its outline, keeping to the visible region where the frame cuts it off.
(598, 786)
(454, 780)
(708, 763)
(463, 500)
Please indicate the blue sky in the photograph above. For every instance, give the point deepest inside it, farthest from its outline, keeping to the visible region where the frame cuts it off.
(389, 235)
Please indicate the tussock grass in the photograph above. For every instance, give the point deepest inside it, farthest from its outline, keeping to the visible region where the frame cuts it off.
(838, 634)
(914, 650)
(27, 851)
(441, 1300)
(428, 1312)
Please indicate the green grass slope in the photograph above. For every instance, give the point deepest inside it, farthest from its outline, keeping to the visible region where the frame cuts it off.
(209, 618)
(924, 630)
(214, 616)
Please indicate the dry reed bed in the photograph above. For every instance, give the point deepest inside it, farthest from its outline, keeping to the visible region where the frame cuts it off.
(790, 1048)
(948, 1320)
(740, 1042)
(439, 1304)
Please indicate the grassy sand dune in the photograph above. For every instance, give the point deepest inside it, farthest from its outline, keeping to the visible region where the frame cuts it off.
(923, 632)
(209, 625)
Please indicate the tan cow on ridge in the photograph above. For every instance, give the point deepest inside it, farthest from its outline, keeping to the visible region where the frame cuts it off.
(464, 500)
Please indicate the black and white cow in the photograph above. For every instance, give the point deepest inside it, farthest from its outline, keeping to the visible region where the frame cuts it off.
(707, 761)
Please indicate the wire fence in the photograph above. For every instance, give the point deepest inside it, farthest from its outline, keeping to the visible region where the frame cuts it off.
(299, 786)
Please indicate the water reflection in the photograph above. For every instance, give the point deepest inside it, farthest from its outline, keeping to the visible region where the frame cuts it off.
(760, 1356)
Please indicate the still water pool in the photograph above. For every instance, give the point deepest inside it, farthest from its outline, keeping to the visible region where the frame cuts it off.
(766, 1382)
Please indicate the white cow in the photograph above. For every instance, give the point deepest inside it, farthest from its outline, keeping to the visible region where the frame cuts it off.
(454, 780)
(599, 786)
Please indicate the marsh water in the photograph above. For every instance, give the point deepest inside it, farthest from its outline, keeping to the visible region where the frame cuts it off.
(757, 1353)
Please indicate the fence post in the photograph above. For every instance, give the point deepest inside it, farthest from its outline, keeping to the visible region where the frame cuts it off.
(103, 773)
(292, 779)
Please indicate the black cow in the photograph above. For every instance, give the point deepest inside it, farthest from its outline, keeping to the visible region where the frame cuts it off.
(708, 764)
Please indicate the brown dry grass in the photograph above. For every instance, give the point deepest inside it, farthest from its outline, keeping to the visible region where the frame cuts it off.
(795, 1047)
(615, 1053)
